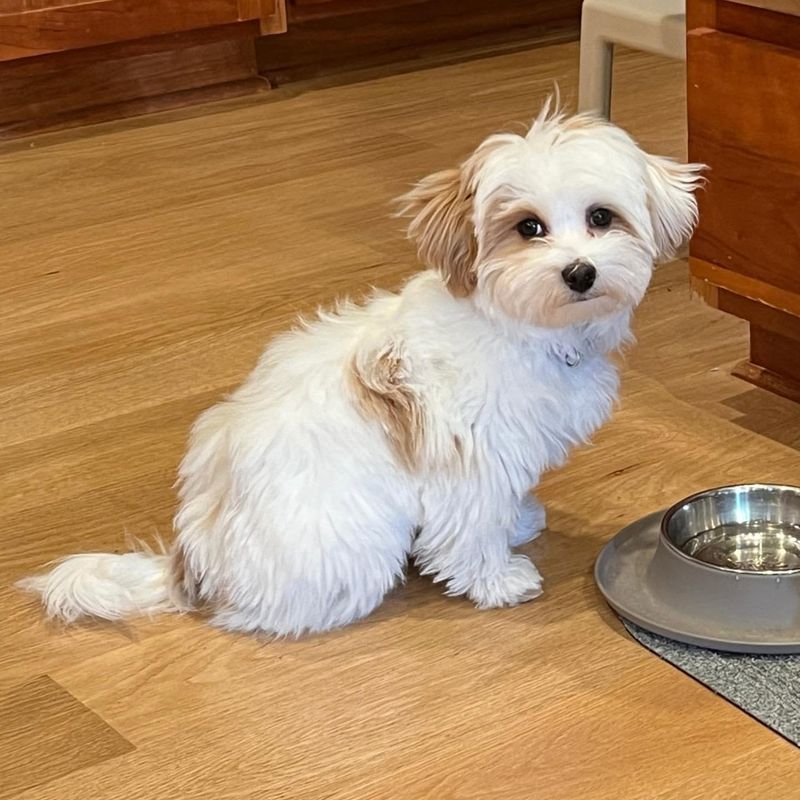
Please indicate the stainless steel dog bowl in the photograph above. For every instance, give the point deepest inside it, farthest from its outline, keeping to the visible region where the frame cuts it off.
(719, 569)
(751, 528)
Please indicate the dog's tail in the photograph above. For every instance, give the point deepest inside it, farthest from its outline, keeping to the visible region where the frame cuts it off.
(108, 586)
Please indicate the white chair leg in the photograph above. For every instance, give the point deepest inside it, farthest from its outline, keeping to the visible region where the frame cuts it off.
(597, 59)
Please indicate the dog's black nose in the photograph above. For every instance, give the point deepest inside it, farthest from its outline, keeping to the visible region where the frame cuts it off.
(579, 276)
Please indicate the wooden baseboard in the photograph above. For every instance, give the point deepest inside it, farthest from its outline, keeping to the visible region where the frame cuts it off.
(716, 277)
(321, 43)
(63, 90)
(57, 90)
(774, 362)
(135, 108)
(766, 379)
(774, 317)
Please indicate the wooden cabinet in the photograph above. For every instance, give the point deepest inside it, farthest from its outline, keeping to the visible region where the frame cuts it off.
(30, 28)
(744, 122)
(68, 61)
(326, 37)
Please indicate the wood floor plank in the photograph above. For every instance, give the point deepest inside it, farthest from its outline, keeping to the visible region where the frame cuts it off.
(45, 733)
(144, 265)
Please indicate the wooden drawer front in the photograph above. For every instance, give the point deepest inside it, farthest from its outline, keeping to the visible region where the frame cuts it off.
(58, 25)
(744, 122)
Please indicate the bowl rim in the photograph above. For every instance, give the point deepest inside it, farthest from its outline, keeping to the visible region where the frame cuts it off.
(673, 509)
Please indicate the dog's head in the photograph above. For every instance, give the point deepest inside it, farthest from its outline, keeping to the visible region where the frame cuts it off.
(555, 228)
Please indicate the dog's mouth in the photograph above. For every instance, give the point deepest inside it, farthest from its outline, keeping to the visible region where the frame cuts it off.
(583, 308)
(584, 297)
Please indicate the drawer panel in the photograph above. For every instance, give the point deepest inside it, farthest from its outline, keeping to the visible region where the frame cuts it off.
(58, 25)
(744, 122)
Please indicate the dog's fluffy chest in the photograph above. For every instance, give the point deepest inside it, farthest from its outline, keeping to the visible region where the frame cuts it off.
(522, 409)
(513, 400)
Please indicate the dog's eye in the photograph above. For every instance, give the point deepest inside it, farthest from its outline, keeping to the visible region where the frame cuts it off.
(531, 228)
(600, 218)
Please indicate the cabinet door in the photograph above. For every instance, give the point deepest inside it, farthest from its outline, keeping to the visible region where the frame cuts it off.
(744, 122)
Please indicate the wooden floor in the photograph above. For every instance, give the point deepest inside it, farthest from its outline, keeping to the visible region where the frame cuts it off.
(143, 265)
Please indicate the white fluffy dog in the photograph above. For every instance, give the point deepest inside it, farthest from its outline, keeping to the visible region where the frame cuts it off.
(417, 424)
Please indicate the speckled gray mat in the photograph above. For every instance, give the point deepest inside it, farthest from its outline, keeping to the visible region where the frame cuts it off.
(766, 687)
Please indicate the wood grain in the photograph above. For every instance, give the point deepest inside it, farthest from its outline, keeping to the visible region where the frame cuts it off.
(79, 86)
(748, 21)
(67, 63)
(778, 382)
(271, 14)
(337, 36)
(756, 23)
(45, 733)
(70, 25)
(749, 138)
(701, 14)
(780, 6)
(145, 263)
(737, 283)
(774, 362)
(120, 79)
(299, 10)
(743, 124)
(764, 316)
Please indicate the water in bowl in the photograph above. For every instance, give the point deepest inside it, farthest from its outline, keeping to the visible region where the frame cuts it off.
(751, 546)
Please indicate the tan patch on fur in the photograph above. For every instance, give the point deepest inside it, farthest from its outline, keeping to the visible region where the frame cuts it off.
(441, 208)
(620, 223)
(503, 216)
(185, 581)
(442, 228)
(383, 393)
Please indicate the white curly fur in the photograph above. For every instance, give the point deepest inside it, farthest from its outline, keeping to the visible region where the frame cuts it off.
(298, 512)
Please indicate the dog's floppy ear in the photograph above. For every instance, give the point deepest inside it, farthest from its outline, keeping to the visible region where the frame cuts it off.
(673, 208)
(440, 207)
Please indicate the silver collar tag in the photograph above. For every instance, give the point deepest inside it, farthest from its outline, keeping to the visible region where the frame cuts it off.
(568, 355)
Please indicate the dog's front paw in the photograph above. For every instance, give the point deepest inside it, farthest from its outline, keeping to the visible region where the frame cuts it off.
(532, 521)
(518, 582)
